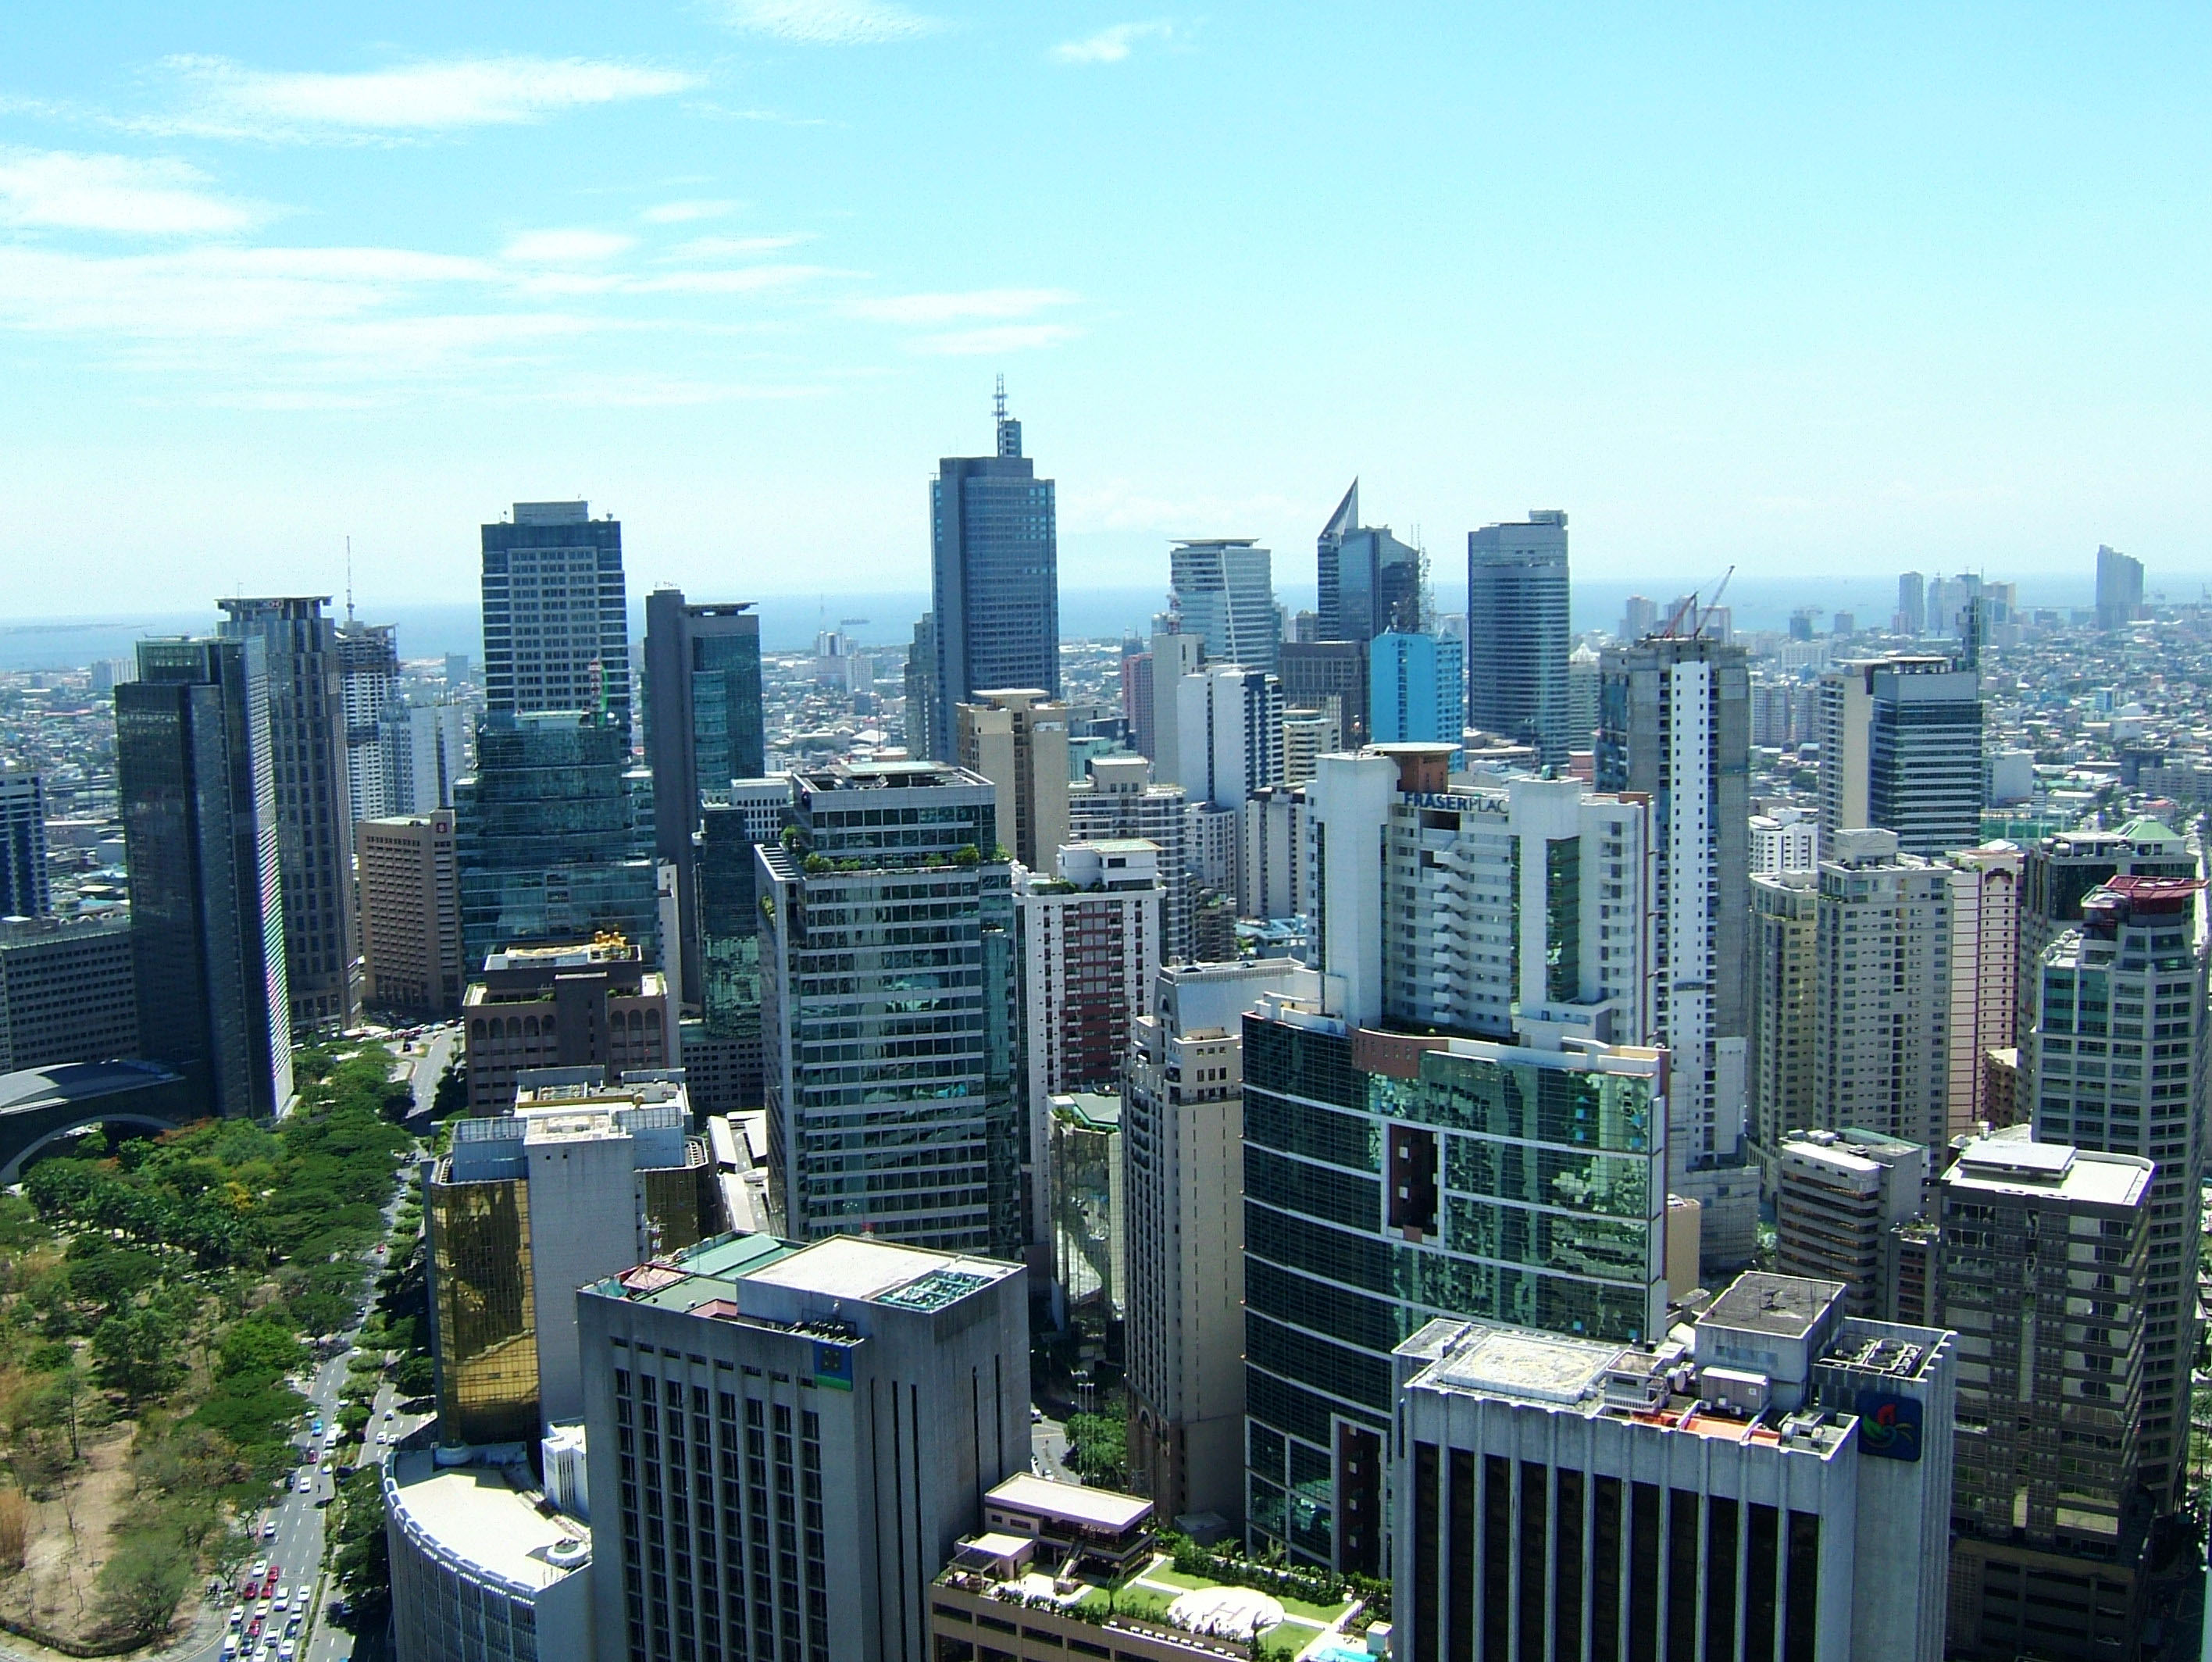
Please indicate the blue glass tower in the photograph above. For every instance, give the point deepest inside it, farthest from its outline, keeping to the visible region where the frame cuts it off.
(994, 553)
(1414, 694)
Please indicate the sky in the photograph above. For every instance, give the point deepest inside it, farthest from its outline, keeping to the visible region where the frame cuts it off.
(1808, 291)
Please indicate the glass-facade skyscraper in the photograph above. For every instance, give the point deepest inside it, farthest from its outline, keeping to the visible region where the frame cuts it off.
(994, 558)
(553, 837)
(703, 729)
(889, 1010)
(555, 618)
(1223, 592)
(1519, 635)
(196, 779)
(314, 806)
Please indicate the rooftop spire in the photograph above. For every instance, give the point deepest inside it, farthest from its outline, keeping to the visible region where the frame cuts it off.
(1010, 430)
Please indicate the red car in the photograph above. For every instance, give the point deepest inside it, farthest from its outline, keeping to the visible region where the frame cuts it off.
(253, 1630)
(270, 1584)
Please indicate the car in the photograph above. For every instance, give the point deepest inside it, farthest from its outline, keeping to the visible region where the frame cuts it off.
(389, 1412)
(284, 1600)
(292, 1627)
(1036, 1415)
(319, 1428)
(327, 1468)
(381, 1439)
(253, 1630)
(238, 1615)
(260, 1568)
(269, 1530)
(286, 1651)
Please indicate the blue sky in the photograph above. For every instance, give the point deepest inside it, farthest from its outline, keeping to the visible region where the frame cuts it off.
(1889, 287)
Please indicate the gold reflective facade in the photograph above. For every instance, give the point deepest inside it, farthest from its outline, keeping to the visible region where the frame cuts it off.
(486, 1314)
(677, 1202)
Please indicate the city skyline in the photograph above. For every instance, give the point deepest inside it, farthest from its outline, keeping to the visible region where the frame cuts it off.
(311, 285)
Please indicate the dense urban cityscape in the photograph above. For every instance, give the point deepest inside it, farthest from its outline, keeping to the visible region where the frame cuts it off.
(1426, 1128)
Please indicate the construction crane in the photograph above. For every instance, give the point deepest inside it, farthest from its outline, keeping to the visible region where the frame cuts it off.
(1697, 616)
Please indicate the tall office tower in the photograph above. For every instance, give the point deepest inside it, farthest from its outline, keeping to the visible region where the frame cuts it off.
(1330, 676)
(1901, 747)
(1174, 656)
(921, 706)
(1017, 738)
(1137, 705)
(1329, 571)
(369, 685)
(703, 729)
(67, 992)
(889, 1007)
(314, 825)
(1222, 590)
(1838, 1199)
(1229, 718)
(723, 1059)
(2116, 1063)
(556, 615)
(24, 891)
(554, 834)
(1638, 618)
(2046, 1254)
(1182, 1146)
(426, 754)
(868, 1394)
(1527, 916)
(196, 775)
(1518, 635)
(594, 1006)
(994, 557)
(2119, 589)
(1275, 873)
(1417, 690)
(1673, 721)
(2058, 873)
(1390, 1179)
(1787, 839)
(1774, 1487)
(1585, 675)
(1984, 972)
(1881, 1023)
(573, 1183)
(1308, 735)
(1121, 801)
(1369, 581)
(1090, 941)
(1911, 604)
(410, 914)
(1785, 912)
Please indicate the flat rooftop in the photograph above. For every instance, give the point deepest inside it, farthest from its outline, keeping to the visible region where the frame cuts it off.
(1788, 1307)
(1512, 1361)
(857, 1268)
(1074, 1504)
(473, 1513)
(2015, 1166)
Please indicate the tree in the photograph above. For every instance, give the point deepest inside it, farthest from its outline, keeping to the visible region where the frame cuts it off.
(415, 1377)
(136, 1352)
(140, 1587)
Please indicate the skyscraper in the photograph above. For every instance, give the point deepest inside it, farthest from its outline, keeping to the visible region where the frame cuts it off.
(410, 914)
(1174, 655)
(553, 835)
(1881, 1024)
(2115, 1062)
(24, 889)
(67, 994)
(1518, 633)
(1985, 885)
(994, 566)
(314, 827)
(1369, 581)
(1329, 567)
(1331, 676)
(1124, 799)
(369, 685)
(1674, 723)
(703, 729)
(1017, 738)
(1417, 689)
(1223, 591)
(2119, 589)
(1784, 1002)
(921, 687)
(426, 752)
(196, 775)
(556, 614)
(1911, 604)
(1229, 722)
(2058, 873)
(1901, 747)
(890, 1011)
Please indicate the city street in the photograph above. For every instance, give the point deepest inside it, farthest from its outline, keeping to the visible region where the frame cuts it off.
(429, 1066)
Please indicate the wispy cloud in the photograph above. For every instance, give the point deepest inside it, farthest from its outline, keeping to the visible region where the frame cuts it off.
(952, 308)
(989, 342)
(681, 212)
(228, 100)
(66, 190)
(1111, 46)
(708, 248)
(567, 247)
(830, 22)
(738, 280)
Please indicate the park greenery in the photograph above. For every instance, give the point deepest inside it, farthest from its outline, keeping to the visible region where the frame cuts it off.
(168, 1289)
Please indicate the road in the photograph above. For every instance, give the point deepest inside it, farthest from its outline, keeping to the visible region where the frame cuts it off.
(429, 1065)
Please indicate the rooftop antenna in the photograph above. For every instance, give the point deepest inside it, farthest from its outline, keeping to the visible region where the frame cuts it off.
(999, 403)
(349, 579)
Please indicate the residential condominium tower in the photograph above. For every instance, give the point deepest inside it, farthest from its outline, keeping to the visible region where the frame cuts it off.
(890, 1011)
(994, 561)
(1017, 738)
(196, 776)
(24, 891)
(1881, 1024)
(1519, 632)
(314, 812)
(1124, 800)
(369, 680)
(556, 614)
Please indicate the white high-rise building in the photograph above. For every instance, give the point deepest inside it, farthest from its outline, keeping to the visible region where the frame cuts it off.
(1182, 1131)
(1786, 839)
(1229, 720)
(426, 752)
(1124, 800)
(1223, 592)
(1881, 1025)
(368, 683)
(1174, 655)
(1674, 725)
(1276, 875)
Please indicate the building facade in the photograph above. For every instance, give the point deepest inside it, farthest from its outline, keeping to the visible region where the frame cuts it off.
(994, 564)
(68, 993)
(1222, 591)
(1518, 633)
(1881, 1025)
(1901, 748)
(1124, 799)
(1985, 885)
(410, 914)
(556, 615)
(25, 890)
(314, 810)
(1417, 689)
(368, 686)
(1017, 738)
(1840, 1197)
(591, 1005)
(1784, 985)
